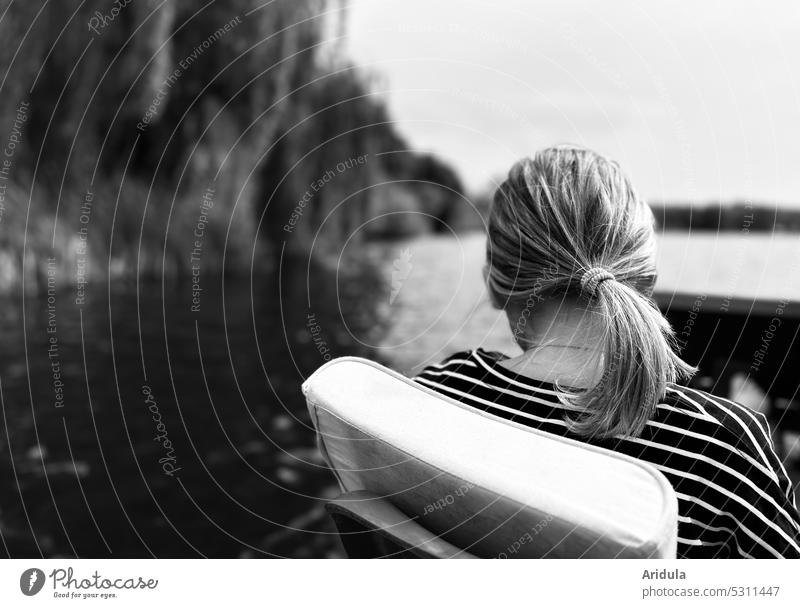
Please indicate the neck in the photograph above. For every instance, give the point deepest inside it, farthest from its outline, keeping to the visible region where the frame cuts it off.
(561, 339)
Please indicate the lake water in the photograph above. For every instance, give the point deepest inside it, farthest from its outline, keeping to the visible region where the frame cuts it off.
(180, 432)
(230, 471)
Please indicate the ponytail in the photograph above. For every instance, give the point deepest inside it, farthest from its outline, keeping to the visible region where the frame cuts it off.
(638, 363)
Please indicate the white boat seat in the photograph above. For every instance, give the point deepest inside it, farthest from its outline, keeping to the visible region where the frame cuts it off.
(487, 486)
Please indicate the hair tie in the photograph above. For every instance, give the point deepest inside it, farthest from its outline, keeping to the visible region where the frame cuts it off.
(593, 277)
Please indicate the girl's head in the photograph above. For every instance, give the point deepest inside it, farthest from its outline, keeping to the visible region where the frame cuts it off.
(567, 224)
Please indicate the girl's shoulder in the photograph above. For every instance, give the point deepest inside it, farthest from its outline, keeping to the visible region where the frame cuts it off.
(463, 361)
(744, 428)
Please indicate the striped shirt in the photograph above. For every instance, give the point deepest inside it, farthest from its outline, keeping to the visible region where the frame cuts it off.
(734, 496)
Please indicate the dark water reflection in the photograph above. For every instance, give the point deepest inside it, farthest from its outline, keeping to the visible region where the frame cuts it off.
(88, 478)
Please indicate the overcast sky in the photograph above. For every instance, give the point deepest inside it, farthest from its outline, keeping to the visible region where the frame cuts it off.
(697, 100)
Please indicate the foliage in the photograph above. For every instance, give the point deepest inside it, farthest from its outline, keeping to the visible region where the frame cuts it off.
(146, 108)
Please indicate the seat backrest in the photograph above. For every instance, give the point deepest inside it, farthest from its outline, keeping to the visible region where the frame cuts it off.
(489, 486)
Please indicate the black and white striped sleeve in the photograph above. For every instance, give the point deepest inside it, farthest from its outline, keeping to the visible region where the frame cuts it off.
(773, 512)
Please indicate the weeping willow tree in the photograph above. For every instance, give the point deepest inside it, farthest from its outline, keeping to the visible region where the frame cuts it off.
(339, 172)
(136, 112)
(149, 121)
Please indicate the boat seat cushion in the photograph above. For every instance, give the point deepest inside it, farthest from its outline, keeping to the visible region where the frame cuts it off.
(492, 487)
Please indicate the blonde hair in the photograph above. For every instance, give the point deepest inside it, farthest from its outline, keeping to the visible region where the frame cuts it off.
(568, 221)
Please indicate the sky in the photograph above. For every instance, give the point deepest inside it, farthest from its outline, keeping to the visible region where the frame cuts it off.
(698, 101)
